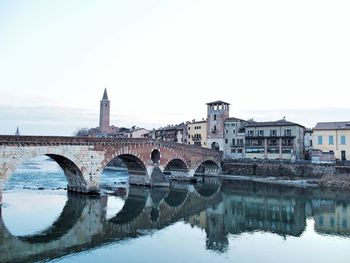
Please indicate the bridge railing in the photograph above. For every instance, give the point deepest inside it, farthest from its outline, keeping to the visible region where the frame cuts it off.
(71, 140)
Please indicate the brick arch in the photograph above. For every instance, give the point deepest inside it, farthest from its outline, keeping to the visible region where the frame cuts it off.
(70, 164)
(199, 163)
(125, 151)
(184, 161)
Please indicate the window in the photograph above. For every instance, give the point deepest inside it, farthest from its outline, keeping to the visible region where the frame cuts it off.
(226, 140)
(319, 140)
(287, 132)
(273, 143)
(233, 150)
(342, 140)
(233, 141)
(330, 140)
(273, 132)
(240, 150)
(250, 133)
(261, 132)
(214, 117)
(233, 131)
(226, 131)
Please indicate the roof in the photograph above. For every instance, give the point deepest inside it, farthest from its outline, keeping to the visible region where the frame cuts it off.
(172, 127)
(340, 125)
(309, 130)
(105, 96)
(234, 119)
(282, 122)
(196, 122)
(217, 102)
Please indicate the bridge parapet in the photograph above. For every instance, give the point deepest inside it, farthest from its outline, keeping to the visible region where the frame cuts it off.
(71, 140)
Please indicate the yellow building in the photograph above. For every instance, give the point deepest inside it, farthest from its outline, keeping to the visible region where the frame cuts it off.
(333, 137)
(197, 133)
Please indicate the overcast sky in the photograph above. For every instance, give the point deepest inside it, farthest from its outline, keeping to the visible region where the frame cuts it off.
(163, 60)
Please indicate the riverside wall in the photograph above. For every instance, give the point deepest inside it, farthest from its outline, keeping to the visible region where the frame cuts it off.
(282, 169)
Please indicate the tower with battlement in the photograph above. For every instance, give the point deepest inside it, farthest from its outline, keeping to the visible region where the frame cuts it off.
(217, 113)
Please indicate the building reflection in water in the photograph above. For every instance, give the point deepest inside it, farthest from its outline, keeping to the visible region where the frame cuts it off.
(221, 209)
(249, 207)
(331, 217)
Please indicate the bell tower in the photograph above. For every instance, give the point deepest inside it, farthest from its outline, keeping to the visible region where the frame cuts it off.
(104, 112)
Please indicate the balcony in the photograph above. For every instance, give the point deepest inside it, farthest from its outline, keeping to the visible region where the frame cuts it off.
(255, 149)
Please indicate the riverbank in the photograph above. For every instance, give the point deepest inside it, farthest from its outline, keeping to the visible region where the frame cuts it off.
(299, 173)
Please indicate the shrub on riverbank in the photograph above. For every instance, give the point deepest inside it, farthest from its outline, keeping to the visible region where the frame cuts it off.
(339, 181)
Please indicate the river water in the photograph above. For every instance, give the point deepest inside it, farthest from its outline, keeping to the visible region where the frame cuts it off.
(211, 221)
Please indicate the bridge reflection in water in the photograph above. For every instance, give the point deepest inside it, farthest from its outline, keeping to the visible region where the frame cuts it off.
(219, 208)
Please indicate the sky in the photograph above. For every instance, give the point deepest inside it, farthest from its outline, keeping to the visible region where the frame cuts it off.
(163, 60)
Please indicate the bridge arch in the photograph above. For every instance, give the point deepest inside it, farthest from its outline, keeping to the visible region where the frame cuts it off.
(132, 160)
(176, 166)
(207, 167)
(70, 165)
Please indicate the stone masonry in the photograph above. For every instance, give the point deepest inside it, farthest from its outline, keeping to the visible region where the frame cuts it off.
(84, 158)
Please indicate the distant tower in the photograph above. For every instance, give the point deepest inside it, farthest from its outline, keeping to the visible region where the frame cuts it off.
(17, 132)
(218, 112)
(104, 112)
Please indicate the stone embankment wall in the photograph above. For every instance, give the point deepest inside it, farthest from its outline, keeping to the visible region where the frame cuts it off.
(281, 169)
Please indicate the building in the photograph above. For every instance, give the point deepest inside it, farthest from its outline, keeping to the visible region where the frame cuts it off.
(138, 133)
(217, 113)
(274, 140)
(172, 133)
(333, 137)
(234, 138)
(104, 113)
(197, 133)
(307, 144)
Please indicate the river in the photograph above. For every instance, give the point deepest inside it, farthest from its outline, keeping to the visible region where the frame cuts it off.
(211, 221)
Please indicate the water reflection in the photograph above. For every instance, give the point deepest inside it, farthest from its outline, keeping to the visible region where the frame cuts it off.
(219, 208)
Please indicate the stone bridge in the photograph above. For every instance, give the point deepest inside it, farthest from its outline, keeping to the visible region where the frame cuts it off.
(84, 158)
(83, 224)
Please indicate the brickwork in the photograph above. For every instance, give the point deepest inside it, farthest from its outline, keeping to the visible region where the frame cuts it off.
(84, 158)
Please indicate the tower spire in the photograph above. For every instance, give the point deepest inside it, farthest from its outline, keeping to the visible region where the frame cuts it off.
(17, 132)
(105, 96)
